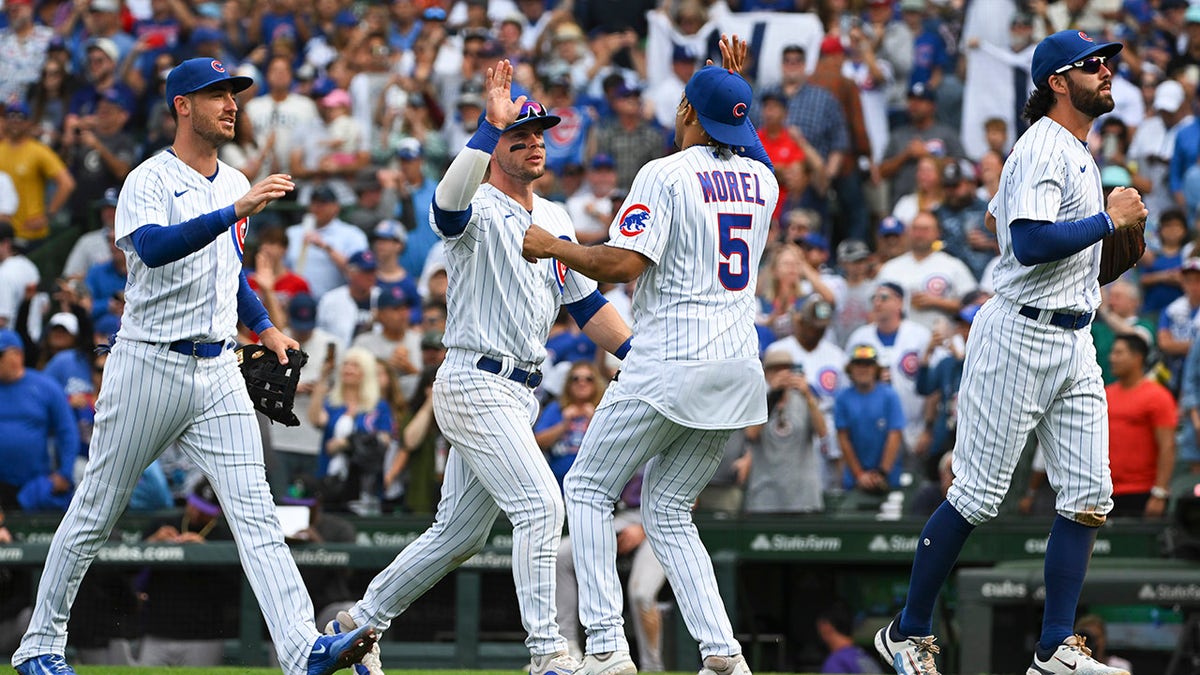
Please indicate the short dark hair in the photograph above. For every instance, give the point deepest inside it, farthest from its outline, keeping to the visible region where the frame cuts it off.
(1136, 344)
(838, 615)
(1038, 104)
(1175, 214)
(795, 49)
(6, 232)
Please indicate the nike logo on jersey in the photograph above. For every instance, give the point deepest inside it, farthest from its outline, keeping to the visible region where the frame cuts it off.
(181, 193)
(1083, 169)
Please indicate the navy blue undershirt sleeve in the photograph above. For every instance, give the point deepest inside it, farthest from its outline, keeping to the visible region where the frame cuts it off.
(583, 310)
(158, 245)
(485, 138)
(1036, 242)
(451, 223)
(251, 311)
(756, 152)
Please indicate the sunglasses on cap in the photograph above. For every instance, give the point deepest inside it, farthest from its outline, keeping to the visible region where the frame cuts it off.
(1090, 65)
(531, 110)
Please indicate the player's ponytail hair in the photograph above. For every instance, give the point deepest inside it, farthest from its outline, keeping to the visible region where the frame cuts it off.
(1039, 103)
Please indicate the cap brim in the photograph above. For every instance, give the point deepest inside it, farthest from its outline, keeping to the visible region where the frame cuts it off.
(546, 121)
(238, 83)
(738, 136)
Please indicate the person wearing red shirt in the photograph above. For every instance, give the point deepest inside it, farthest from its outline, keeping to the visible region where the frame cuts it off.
(269, 271)
(1141, 427)
(786, 146)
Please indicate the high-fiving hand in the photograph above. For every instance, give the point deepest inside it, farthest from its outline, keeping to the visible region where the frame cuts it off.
(733, 53)
(501, 109)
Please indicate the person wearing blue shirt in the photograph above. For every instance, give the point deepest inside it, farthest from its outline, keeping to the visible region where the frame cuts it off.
(35, 410)
(869, 421)
(106, 279)
(944, 378)
(415, 197)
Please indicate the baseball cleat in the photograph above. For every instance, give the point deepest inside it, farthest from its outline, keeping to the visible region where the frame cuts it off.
(725, 665)
(908, 655)
(371, 664)
(331, 653)
(559, 663)
(1072, 658)
(46, 664)
(608, 663)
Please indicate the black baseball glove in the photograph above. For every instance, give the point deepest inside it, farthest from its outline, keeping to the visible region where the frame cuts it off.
(272, 385)
(1121, 250)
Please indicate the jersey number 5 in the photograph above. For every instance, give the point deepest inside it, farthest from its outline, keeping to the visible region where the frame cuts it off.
(734, 266)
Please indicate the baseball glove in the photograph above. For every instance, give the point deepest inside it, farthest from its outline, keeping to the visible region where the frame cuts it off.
(272, 385)
(1121, 250)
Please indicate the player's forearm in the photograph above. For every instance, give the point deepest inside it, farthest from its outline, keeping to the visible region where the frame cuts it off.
(602, 263)
(251, 311)
(608, 330)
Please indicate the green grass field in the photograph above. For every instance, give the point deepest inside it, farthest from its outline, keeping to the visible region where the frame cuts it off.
(115, 670)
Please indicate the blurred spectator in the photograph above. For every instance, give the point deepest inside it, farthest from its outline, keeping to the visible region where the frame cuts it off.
(375, 203)
(1177, 323)
(49, 97)
(892, 239)
(990, 167)
(92, 247)
(281, 116)
(392, 340)
(1159, 272)
(628, 137)
(942, 378)
(270, 273)
(560, 427)
(568, 144)
(931, 58)
(423, 451)
(928, 191)
(333, 148)
(1141, 429)
(388, 242)
(23, 45)
(934, 280)
(413, 120)
(32, 164)
(98, 152)
(923, 136)
(591, 208)
(789, 280)
(415, 195)
(195, 637)
(725, 492)
(16, 274)
(835, 627)
(961, 218)
(1118, 315)
(249, 153)
(873, 74)
(1083, 15)
(37, 411)
(666, 94)
(869, 421)
(854, 307)
(468, 108)
(847, 181)
(106, 281)
(1153, 145)
(1094, 631)
(898, 343)
(103, 55)
(786, 146)
(815, 112)
(321, 244)
(357, 426)
(892, 41)
(786, 462)
(345, 312)
(999, 62)
(931, 494)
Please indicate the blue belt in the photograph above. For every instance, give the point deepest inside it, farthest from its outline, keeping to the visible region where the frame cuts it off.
(200, 350)
(530, 379)
(1060, 319)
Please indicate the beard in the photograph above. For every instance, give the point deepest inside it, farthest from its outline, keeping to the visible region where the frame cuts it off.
(518, 170)
(211, 131)
(1088, 101)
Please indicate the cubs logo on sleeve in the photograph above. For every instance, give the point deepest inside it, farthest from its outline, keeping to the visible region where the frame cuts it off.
(238, 233)
(634, 219)
(560, 270)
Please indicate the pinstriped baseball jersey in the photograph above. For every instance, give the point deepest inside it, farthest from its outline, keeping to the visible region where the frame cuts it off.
(497, 302)
(702, 220)
(1049, 176)
(194, 298)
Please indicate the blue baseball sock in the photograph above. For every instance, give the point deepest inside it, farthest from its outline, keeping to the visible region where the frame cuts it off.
(941, 541)
(1067, 554)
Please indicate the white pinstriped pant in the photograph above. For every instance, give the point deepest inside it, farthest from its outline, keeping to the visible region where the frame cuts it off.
(624, 434)
(150, 397)
(494, 464)
(1022, 377)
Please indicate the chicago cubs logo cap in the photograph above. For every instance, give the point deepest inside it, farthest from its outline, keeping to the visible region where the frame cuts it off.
(722, 100)
(196, 74)
(1064, 47)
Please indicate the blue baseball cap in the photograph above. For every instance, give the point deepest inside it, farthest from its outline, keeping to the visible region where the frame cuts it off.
(393, 297)
(815, 240)
(1066, 47)
(196, 74)
(967, 314)
(891, 225)
(603, 161)
(117, 97)
(302, 312)
(19, 108)
(9, 339)
(363, 261)
(722, 98)
(533, 112)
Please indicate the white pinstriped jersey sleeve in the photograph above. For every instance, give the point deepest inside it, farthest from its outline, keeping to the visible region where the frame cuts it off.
(497, 302)
(1049, 176)
(702, 220)
(194, 298)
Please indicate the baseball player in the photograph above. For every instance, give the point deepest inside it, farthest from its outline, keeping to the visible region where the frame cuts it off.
(692, 232)
(172, 378)
(500, 312)
(1030, 363)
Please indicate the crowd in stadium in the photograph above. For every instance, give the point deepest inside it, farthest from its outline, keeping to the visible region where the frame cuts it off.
(887, 121)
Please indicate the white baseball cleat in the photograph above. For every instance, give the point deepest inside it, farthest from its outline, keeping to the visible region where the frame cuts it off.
(560, 663)
(725, 665)
(371, 663)
(608, 663)
(1072, 658)
(909, 656)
